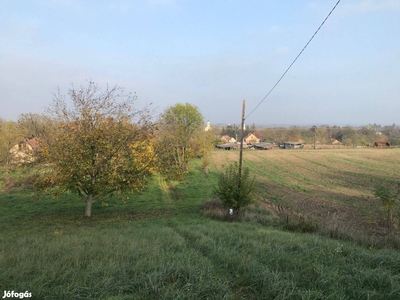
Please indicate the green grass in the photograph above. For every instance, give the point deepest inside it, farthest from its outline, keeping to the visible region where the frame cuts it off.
(192, 258)
(159, 246)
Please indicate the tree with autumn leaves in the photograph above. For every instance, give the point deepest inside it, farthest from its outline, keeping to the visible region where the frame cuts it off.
(98, 145)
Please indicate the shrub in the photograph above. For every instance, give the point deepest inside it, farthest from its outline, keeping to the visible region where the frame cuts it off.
(235, 191)
(389, 197)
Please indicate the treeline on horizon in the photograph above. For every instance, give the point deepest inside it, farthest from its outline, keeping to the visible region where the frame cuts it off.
(346, 135)
(326, 135)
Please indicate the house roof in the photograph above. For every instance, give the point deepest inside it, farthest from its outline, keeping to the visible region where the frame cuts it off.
(250, 135)
(264, 146)
(34, 143)
(228, 145)
(382, 143)
(294, 143)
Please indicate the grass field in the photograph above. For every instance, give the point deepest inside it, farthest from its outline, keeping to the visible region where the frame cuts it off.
(158, 245)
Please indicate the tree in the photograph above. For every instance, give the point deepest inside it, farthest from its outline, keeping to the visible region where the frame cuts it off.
(314, 129)
(231, 130)
(350, 136)
(99, 145)
(235, 191)
(204, 143)
(179, 126)
(10, 134)
(269, 135)
(33, 125)
(293, 134)
(389, 197)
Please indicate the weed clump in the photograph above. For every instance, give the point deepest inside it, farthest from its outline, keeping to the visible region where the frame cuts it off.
(215, 209)
(303, 226)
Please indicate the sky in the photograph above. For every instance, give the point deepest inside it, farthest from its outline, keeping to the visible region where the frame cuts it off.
(211, 53)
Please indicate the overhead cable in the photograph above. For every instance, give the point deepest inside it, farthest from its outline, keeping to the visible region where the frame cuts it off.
(283, 75)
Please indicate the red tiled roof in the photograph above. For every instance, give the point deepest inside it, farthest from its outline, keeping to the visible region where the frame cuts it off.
(34, 143)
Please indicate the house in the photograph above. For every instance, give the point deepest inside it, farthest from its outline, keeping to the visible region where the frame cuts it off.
(251, 139)
(335, 142)
(381, 144)
(25, 150)
(225, 138)
(263, 146)
(293, 145)
(232, 140)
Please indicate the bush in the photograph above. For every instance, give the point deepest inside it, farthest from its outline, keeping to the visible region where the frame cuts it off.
(389, 196)
(235, 191)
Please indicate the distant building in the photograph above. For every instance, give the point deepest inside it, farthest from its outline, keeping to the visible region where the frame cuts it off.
(228, 146)
(225, 138)
(263, 146)
(208, 127)
(293, 145)
(251, 139)
(381, 144)
(25, 150)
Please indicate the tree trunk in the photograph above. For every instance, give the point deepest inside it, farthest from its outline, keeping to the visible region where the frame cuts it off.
(390, 220)
(89, 202)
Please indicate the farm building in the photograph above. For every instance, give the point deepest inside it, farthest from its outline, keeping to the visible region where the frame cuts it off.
(381, 144)
(263, 146)
(293, 145)
(228, 146)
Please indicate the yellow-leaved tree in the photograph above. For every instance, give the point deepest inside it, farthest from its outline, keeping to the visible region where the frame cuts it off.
(10, 134)
(98, 144)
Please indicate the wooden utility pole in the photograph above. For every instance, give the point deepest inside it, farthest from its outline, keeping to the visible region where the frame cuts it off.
(315, 133)
(241, 146)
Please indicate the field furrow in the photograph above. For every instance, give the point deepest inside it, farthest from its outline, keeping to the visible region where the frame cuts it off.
(335, 187)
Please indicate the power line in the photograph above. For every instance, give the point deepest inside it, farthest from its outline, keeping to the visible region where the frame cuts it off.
(294, 60)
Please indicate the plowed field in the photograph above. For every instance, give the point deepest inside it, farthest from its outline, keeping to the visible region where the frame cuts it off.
(333, 186)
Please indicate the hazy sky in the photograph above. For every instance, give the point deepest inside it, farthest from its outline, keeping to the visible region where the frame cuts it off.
(212, 54)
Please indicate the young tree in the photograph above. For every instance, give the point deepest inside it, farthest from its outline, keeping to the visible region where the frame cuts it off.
(389, 197)
(235, 191)
(99, 145)
(179, 126)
